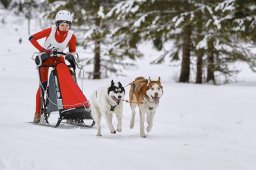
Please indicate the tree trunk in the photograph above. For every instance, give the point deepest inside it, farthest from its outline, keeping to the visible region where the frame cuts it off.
(6, 3)
(185, 65)
(199, 53)
(210, 62)
(199, 67)
(97, 71)
(29, 26)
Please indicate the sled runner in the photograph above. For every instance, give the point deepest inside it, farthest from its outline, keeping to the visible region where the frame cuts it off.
(62, 93)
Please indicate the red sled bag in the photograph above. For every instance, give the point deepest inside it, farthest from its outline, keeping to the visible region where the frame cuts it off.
(72, 96)
(71, 102)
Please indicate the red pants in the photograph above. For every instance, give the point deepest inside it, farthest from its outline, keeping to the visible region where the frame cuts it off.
(44, 78)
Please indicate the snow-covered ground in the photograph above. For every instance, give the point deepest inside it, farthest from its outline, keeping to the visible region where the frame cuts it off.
(197, 127)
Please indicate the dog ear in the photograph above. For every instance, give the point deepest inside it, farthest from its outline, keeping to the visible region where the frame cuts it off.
(112, 83)
(119, 84)
(158, 80)
(149, 80)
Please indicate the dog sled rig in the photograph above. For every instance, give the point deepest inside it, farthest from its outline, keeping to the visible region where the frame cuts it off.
(61, 93)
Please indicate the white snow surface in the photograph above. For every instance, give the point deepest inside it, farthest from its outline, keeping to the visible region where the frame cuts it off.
(197, 127)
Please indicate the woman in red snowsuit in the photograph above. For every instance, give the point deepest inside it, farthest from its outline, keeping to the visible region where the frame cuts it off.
(58, 37)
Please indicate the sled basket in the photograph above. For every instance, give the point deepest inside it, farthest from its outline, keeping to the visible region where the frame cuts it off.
(76, 113)
(65, 96)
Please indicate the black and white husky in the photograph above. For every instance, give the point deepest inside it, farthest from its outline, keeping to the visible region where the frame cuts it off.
(105, 102)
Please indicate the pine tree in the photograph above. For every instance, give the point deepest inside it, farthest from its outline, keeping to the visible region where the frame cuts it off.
(146, 21)
(5, 3)
(244, 25)
(199, 52)
(186, 45)
(26, 8)
(96, 31)
(205, 31)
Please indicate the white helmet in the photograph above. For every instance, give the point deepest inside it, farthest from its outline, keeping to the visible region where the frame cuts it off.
(64, 15)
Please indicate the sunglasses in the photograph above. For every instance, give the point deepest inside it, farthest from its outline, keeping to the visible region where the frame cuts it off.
(63, 21)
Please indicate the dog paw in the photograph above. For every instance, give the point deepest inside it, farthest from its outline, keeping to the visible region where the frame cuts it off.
(113, 132)
(119, 129)
(149, 129)
(143, 135)
(98, 134)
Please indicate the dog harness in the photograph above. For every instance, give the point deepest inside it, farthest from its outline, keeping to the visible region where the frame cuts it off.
(150, 108)
(112, 108)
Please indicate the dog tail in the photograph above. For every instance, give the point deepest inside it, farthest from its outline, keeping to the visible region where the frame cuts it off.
(132, 89)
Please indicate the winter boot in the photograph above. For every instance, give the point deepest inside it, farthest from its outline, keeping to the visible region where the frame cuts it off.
(37, 118)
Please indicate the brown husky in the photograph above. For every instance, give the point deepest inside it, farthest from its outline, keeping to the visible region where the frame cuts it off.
(146, 94)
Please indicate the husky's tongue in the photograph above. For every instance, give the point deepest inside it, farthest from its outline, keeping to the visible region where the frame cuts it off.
(116, 100)
(156, 100)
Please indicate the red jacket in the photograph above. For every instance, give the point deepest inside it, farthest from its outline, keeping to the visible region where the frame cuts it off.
(59, 36)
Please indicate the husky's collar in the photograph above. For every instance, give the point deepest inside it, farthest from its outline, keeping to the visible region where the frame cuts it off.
(112, 108)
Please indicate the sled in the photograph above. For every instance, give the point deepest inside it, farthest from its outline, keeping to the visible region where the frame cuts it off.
(62, 93)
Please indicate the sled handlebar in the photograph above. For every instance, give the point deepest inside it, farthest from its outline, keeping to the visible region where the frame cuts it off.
(39, 58)
(55, 53)
(71, 59)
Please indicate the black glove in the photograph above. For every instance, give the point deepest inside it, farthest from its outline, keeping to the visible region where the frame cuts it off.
(71, 59)
(40, 59)
(48, 51)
